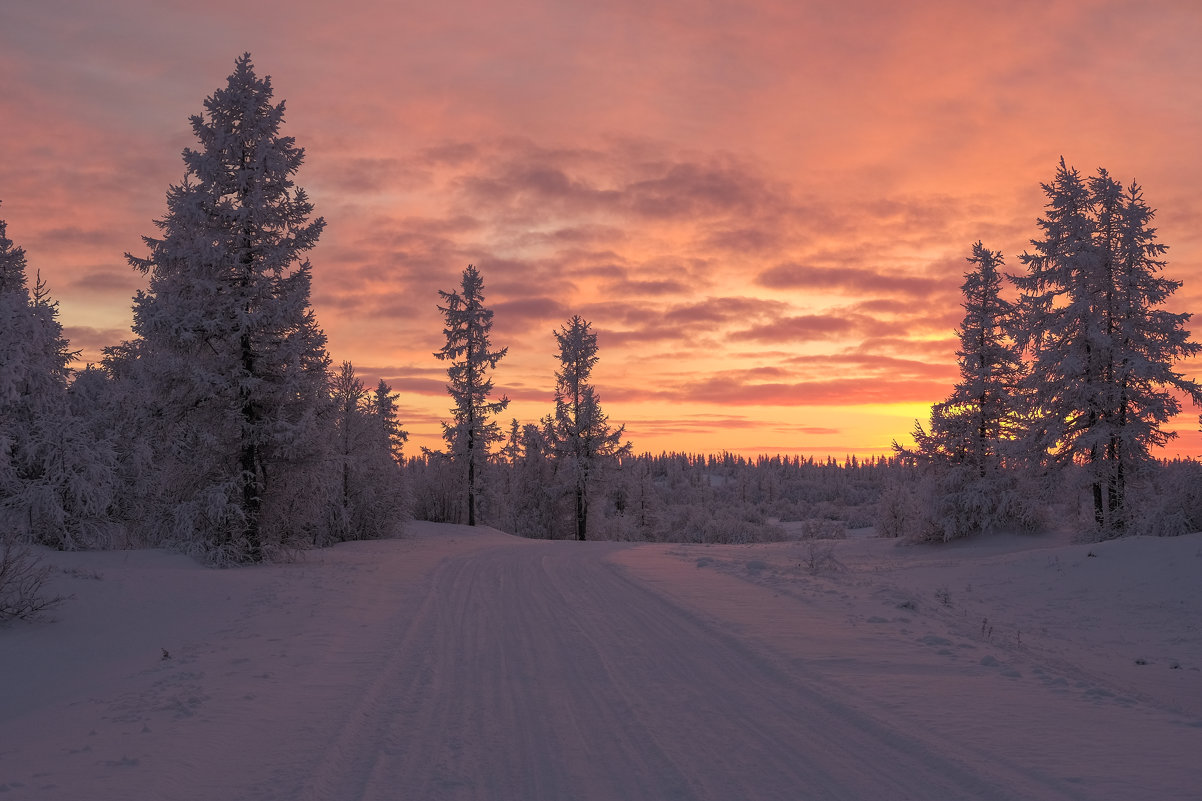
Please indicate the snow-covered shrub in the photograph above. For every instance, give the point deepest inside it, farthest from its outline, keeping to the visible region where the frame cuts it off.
(822, 559)
(437, 495)
(22, 582)
(896, 511)
(1170, 501)
(715, 525)
(822, 529)
(941, 503)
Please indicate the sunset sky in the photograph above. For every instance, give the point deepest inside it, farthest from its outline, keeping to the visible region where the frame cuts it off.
(763, 207)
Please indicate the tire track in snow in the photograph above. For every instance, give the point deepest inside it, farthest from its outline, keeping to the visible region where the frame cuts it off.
(540, 671)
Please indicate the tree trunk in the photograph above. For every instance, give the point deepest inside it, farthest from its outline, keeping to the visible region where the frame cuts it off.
(581, 513)
(471, 479)
(252, 495)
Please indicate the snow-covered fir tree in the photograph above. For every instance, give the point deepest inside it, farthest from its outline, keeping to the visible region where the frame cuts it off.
(1102, 354)
(469, 350)
(228, 344)
(391, 434)
(1147, 340)
(584, 443)
(533, 501)
(971, 426)
(964, 453)
(396, 496)
(56, 485)
(371, 500)
(33, 382)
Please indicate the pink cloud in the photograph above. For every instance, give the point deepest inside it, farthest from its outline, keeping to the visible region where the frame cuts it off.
(856, 280)
(691, 178)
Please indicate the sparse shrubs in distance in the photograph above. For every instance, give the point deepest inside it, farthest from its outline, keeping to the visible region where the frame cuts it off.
(823, 529)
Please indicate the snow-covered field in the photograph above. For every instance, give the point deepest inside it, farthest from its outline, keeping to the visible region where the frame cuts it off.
(464, 663)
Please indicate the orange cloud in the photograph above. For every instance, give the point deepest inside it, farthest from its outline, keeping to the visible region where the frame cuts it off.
(759, 205)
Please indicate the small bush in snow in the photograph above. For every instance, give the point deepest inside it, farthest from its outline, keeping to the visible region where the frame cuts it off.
(896, 512)
(823, 530)
(22, 582)
(944, 503)
(1170, 501)
(821, 558)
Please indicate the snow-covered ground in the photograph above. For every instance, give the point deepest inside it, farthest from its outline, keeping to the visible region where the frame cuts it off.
(464, 663)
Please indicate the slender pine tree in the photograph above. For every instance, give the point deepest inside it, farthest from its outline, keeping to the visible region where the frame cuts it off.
(973, 424)
(584, 443)
(471, 431)
(971, 432)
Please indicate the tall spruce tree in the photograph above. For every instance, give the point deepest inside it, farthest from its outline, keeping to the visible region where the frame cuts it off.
(469, 351)
(972, 430)
(971, 426)
(1102, 355)
(583, 441)
(227, 337)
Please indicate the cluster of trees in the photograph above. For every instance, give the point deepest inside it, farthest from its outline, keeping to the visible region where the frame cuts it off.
(219, 427)
(1077, 372)
(670, 497)
(568, 454)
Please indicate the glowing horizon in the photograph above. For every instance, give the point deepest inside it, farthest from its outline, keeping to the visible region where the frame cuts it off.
(764, 209)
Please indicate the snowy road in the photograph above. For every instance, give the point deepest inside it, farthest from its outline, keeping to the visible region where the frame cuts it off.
(465, 664)
(542, 671)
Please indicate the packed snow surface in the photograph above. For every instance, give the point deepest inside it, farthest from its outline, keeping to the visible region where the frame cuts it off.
(463, 663)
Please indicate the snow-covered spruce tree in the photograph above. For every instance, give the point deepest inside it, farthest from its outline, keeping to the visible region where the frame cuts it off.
(1148, 341)
(468, 349)
(56, 486)
(227, 338)
(351, 431)
(371, 500)
(383, 402)
(33, 383)
(123, 402)
(531, 502)
(963, 456)
(393, 501)
(584, 443)
(1102, 354)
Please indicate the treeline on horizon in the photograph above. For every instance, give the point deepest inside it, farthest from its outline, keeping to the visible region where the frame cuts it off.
(223, 428)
